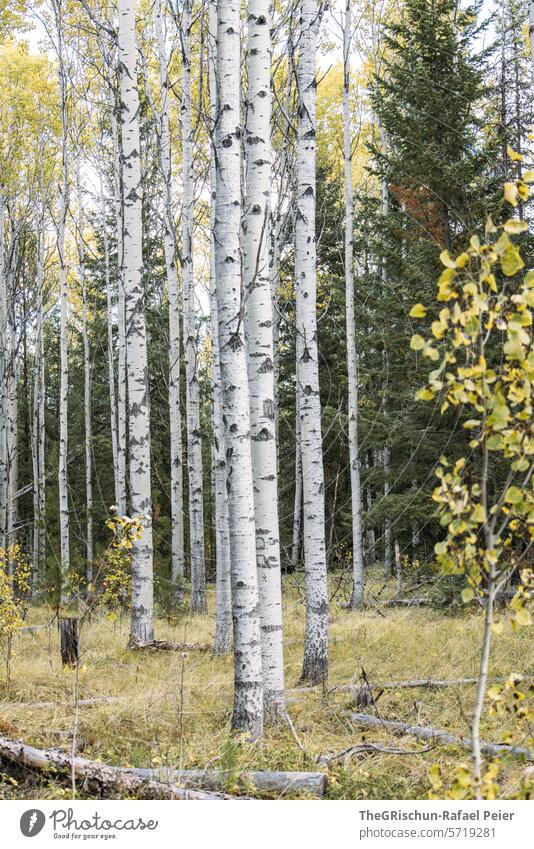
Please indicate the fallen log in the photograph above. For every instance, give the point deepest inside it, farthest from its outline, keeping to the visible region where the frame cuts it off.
(430, 683)
(311, 783)
(113, 778)
(166, 645)
(180, 782)
(427, 733)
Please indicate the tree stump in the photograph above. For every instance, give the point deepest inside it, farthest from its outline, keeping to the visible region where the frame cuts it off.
(68, 632)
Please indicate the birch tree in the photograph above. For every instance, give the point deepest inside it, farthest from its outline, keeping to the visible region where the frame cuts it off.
(141, 631)
(191, 353)
(248, 688)
(38, 413)
(259, 325)
(64, 518)
(87, 386)
(315, 667)
(352, 355)
(223, 601)
(169, 248)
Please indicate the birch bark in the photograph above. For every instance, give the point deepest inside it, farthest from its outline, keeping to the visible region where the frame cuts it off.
(169, 248)
(223, 614)
(191, 331)
(315, 666)
(141, 630)
(64, 517)
(110, 350)
(87, 387)
(122, 419)
(297, 501)
(259, 327)
(248, 687)
(352, 355)
(3, 377)
(38, 416)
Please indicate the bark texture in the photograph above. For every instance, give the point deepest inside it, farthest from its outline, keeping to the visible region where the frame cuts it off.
(260, 347)
(248, 692)
(141, 630)
(315, 666)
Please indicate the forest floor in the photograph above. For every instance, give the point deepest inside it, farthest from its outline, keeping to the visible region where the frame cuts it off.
(175, 710)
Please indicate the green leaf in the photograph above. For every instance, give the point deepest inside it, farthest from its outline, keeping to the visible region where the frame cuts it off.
(511, 262)
(468, 595)
(513, 495)
(418, 311)
(417, 343)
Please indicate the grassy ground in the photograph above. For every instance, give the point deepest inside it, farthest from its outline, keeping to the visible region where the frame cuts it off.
(167, 694)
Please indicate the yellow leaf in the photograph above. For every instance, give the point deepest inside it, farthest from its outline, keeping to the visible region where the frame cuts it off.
(510, 193)
(468, 595)
(514, 225)
(417, 343)
(513, 155)
(424, 395)
(418, 311)
(528, 177)
(523, 617)
(447, 260)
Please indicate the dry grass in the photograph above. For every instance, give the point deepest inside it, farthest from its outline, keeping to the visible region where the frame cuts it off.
(164, 692)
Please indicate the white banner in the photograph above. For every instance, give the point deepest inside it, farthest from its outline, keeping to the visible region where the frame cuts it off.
(259, 824)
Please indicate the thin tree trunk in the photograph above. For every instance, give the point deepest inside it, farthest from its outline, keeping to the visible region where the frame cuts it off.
(141, 630)
(192, 394)
(4, 359)
(122, 418)
(169, 248)
(259, 326)
(87, 388)
(352, 355)
(110, 354)
(64, 518)
(531, 35)
(387, 523)
(38, 417)
(315, 666)
(248, 687)
(223, 610)
(297, 500)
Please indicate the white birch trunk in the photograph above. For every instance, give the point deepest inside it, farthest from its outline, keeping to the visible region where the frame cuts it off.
(38, 418)
(248, 687)
(315, 667)
(223, 603)
(352, 355)
(4, 358)
(87, 388)
(191, 331)
(259, 326)
(141, 630)
(297, 500)
(110, 353)
(63, 301)
(12, 428)
(122, 418)
(169, 248)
